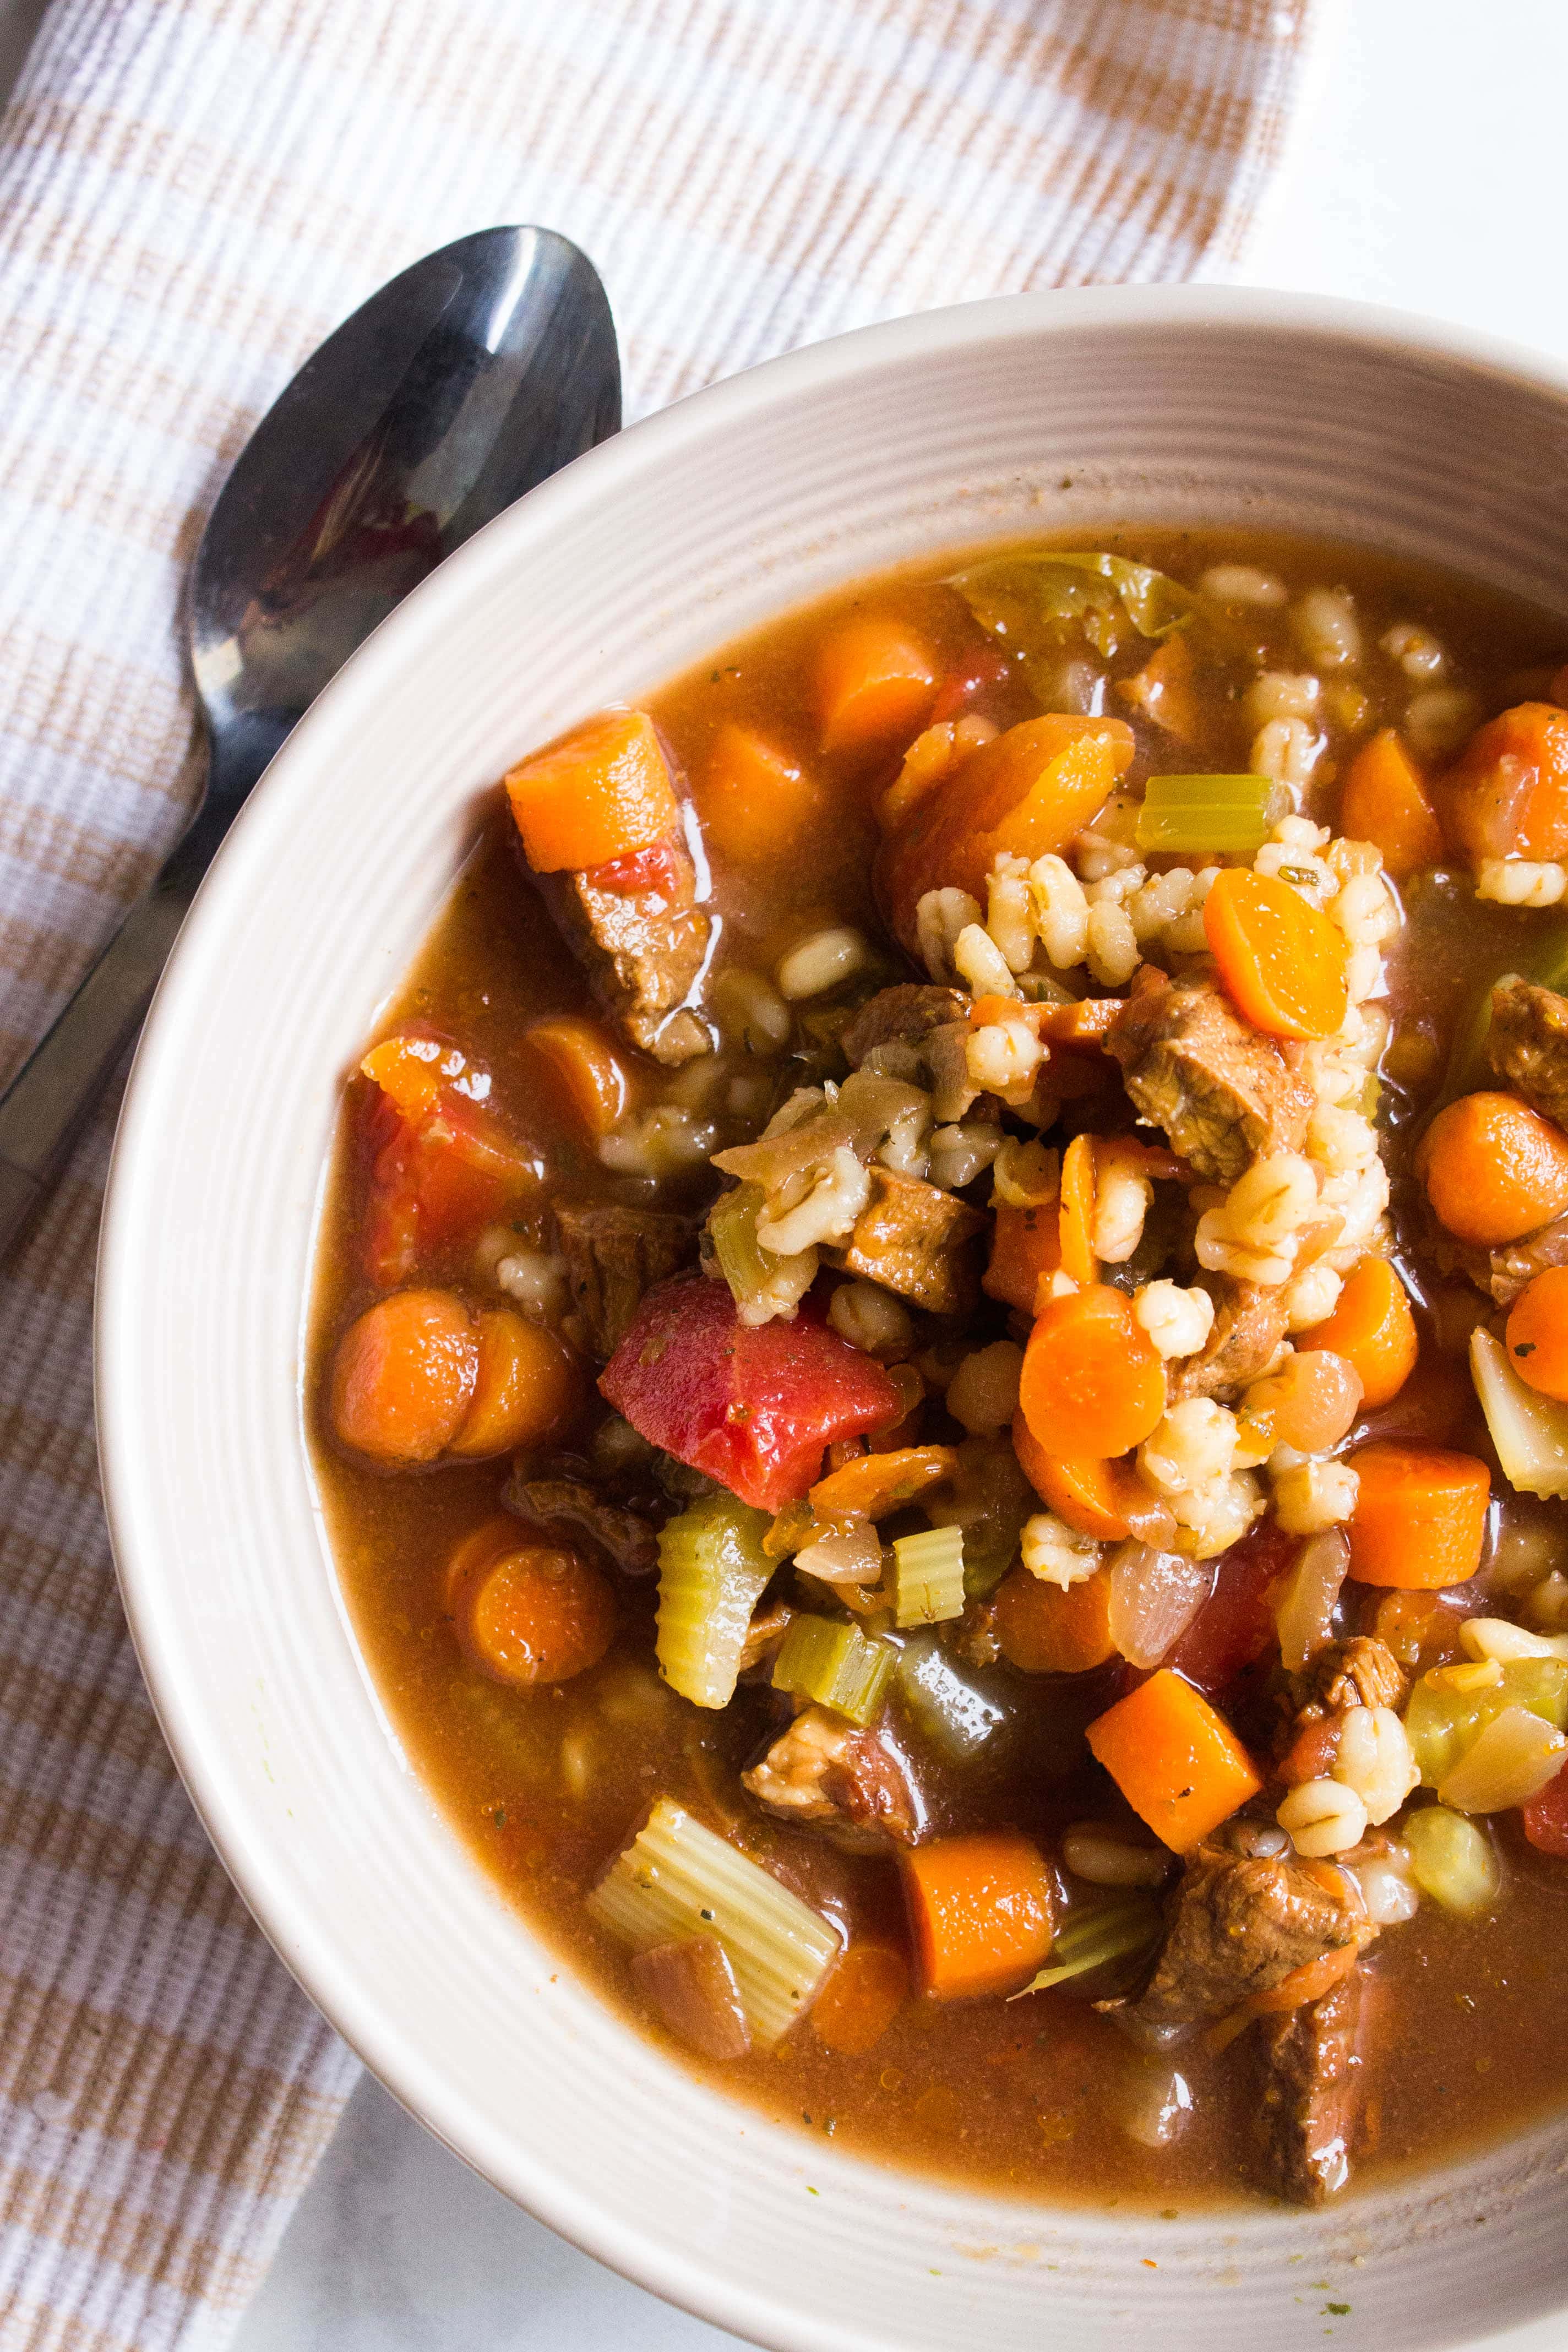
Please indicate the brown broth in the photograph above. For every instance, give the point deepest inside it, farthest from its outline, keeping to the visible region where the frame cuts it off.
(545, 1785)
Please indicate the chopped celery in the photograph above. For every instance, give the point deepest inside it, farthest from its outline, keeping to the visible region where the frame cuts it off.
(1204, 816)
(678, 1879)
(928, 1575)
(1509, 1762)
(1451, 1859)
(711, 1572)
(1112, 1931)
(955, 1716)
(836, 1665)
(1031, 602)
(1444, 1720)
(1528, 1430)
(732, 1222)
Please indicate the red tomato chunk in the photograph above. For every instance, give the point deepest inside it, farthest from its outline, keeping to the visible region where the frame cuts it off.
(1545, 1817)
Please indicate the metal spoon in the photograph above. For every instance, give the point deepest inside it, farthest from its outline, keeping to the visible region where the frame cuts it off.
(462, 384)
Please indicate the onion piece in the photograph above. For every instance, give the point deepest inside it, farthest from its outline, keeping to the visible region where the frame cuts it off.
(1509, 1762)
(1154, 1596)
(693, 1987)
(1305, 1616)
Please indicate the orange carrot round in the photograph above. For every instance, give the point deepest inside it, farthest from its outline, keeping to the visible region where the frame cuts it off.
(482, 1545)
(864, 1991)
(1175, 1758)
(597, 794)
(1494, 1170)
(1049, 1629)
(874, 681)
(980, 1912)
(538, 1614)
(1281, 960)
(1420, 1515)
(1078, 1211)
(1507, 793)
(582, 1069)
(1026, 1244)
(754, 800)
(528, 1386)
(404, 1376)
(1386, 803)
(1536, 1335)
(1093, 1385)
(1372, 1329)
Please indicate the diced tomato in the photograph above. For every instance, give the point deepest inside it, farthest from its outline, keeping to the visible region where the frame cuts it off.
(1545, 1817)
(1235, 1625)
(437, 1174)
(979, 674)
(640, 871)
(754, 1408)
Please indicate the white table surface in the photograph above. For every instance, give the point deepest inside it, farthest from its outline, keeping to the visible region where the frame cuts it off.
(1428, 175)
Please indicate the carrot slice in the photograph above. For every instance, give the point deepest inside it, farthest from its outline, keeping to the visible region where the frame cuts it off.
(1310, 1981)
(1026, 1246)
(1507, 794)
(862, 1993)
(1420, 1516)
(1083, 1492)
(1092, 1385)
(873, 1484)
(529, 1386)
(583, 1068)
(876, 680)
(1494, 1170)
(980, 1912)
(1372, 1329)
(602, 791)
(483, 1544)
(1078, 1211)
(754, 801)
(538, 1614)
(1387, 802)
(1175, 1758)
(1049, 1629)
(1537, 1333)
(404, 1375)
(1281, 960)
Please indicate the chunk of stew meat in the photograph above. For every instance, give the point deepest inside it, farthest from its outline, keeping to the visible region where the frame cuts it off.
(1224, 1095)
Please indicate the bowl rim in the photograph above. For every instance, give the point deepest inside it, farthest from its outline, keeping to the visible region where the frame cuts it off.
(306, 1943)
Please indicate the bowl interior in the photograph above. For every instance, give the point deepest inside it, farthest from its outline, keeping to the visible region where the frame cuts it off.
(1039, 414)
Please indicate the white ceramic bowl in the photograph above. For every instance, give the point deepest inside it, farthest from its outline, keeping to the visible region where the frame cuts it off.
(1033, 415)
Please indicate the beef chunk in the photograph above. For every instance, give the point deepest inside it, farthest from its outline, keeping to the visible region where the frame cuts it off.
(614, 1258)
(917, 1239)
(1311, 2093)
(825, 1772)
(642, 949)
(1502, 1274)
(1222, 1095)
(1528, 1045)
(904, 1015)
(1250, 1328)
(1362, 1671)
(1238, 1924)
(567, 1508)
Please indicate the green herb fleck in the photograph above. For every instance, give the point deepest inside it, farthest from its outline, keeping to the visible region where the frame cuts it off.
(1340, 2310)
(498, 1817)
(1524, 1348)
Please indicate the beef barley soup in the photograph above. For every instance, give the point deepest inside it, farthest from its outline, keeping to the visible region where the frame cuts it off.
(941, 1365)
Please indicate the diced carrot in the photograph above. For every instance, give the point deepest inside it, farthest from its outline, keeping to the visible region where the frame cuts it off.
(538, 1614)
(864, 1991)
(530, 1387)
(874, 1484)
(1494, 1170)
(1083, 1023)
(1051, 1628)
(1083, 1492)
(1078, 1211)
(1026, 792)
(1385, 802)
(478, 1549)
(980, 1911)
(404, 1375)
(1372, 1329)
(1026, 1246)
(581, 1068)
(1093, 1385)
(1310, 1981)
(1281, 960)
(1507, 794)
(755, 802)
(600, 793)
(408, 1070)
(1420, 1516)
(1175, 1758)
(876, 680)
(1162, 689)
(1537, 1333)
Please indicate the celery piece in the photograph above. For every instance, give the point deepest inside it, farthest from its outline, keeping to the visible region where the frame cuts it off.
(954, 1714)
(1112, 1931)
(1528, 1430)
(928, 1575)
(678, 1879)
(711, 1572)
(1451, 1859)
(1204, 815)
(835, 1664)
(1031, 602)
(1509, 1762)
(745, 1266)
(1443, 1723)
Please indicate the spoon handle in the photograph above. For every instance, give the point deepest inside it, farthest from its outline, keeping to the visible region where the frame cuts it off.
(47, 1101)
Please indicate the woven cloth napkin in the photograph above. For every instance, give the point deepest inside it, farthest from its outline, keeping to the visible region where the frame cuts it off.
(193, 192)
